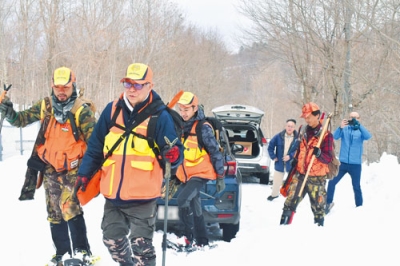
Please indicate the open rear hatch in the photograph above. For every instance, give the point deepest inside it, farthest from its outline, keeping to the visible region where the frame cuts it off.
(238, 113)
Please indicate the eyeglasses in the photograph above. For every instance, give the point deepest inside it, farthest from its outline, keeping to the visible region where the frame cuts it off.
(137, 86)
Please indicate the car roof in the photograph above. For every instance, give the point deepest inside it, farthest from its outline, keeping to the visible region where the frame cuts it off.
(238, 112)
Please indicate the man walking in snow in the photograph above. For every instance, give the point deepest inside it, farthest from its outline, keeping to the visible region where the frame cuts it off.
(132, 175)
(316, 179)
(200, 165)
(64, 211)
(352, 135)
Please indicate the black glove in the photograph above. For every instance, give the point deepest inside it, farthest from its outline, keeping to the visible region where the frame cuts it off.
(317, 152)
(81, 182)
(7, 110)
(220, 184)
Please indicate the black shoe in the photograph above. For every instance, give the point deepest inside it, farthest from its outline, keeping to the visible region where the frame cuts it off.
(270, 198)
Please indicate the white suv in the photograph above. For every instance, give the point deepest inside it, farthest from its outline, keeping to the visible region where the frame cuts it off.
(242, 125)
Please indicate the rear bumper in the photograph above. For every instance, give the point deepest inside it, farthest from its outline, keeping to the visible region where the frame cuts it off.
(217, 208)
(249, 168)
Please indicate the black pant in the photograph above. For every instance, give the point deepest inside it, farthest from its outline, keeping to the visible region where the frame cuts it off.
(190, 210)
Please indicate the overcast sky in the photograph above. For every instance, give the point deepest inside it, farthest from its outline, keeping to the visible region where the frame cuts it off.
(215, 14)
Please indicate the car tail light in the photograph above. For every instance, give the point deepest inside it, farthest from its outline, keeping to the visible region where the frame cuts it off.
(229, 215)
(231, 168)
(264, 141)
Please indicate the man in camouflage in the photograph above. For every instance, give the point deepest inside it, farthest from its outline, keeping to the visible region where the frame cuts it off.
(59, 171)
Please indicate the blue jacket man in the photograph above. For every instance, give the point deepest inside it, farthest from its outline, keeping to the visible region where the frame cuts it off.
(280, 150)
(352, 135)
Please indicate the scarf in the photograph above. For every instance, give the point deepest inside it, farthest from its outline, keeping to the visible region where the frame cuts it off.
(61, 109)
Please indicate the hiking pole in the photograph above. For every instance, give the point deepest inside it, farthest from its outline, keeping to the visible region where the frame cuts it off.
(321, 137)
(2, 96)
(167, 176)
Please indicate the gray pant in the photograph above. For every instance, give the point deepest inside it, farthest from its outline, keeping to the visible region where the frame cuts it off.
(190, 211)
(136, 220)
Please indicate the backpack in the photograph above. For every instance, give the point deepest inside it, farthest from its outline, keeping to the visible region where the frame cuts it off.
(151, 127)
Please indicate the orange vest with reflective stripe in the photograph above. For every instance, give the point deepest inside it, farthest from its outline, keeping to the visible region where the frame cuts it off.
(60, 149)
(196, 162)
(306, 151)
(132, 169)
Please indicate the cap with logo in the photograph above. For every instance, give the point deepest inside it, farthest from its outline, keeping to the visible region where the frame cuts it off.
(188, 99)
(138, 73)
(63, 76)
(308, 108)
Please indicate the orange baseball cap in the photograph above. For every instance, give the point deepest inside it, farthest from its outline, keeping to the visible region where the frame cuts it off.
(308, 108)
(188, 99)
(139, 73)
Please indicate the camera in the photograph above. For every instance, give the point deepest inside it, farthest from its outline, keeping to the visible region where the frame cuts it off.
(351, 122)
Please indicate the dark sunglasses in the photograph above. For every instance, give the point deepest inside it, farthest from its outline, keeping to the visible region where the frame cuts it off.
(137, 86)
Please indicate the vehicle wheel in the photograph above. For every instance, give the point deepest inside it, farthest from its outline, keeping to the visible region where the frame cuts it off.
(229, 231)
(264, 178)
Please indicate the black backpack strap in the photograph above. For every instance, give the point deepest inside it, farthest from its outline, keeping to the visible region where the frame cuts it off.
(143, 115)
(151, 127)
(75, 131)
(199, 125)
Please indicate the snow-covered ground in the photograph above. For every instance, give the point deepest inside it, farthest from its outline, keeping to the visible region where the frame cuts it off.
(351, 236)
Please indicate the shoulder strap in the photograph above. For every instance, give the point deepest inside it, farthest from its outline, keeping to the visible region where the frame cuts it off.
(151, 127)
(46, 112)
(143, 115)
(199, 126)
(73, 116)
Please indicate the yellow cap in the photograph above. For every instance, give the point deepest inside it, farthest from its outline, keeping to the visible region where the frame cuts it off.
(63, 76)
(140, 73)
(188, 99)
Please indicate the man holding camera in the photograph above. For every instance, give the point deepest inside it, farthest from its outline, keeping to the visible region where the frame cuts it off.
(352, 135)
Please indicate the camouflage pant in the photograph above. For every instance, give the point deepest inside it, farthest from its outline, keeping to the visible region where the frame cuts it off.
(61, 205)
(314, 187)
(136, 220)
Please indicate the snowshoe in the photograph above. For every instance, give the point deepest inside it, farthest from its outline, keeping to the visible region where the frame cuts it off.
(177, 247)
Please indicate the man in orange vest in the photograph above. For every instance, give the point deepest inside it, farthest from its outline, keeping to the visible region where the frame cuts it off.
(60, 172)
(132, 175)
(316, 180)
(199, 166)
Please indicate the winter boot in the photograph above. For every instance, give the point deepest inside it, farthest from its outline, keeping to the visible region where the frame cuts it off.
(287, 217)
(319, 221)
(186, 216)
(77, 227)
(200, 231)
(60, 236)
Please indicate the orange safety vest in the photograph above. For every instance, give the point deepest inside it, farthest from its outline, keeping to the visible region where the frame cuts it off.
(60, 149)
(306, 151)
(141, 176)
(196, 162)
